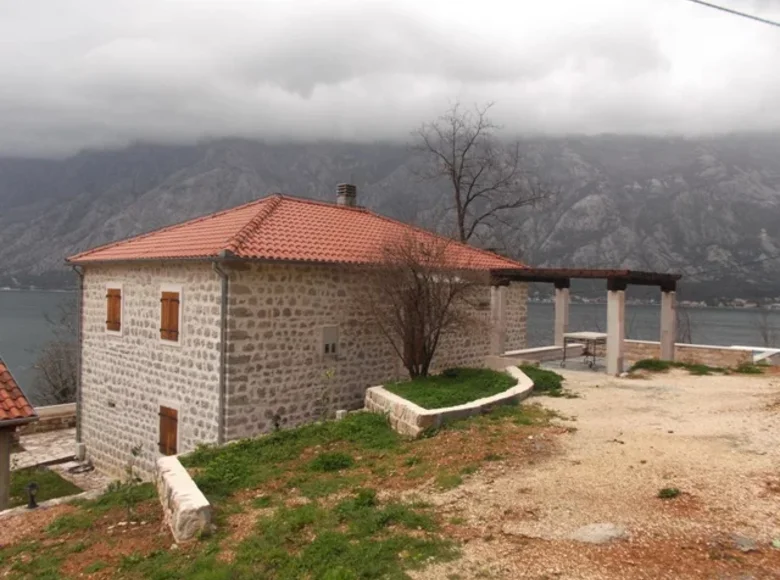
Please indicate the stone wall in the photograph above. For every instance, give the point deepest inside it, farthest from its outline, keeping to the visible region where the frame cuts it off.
(410, 419)
(127, 377)
(516, 316)
(186, 510)
(51, 418)
(277, 372)
(711, 355)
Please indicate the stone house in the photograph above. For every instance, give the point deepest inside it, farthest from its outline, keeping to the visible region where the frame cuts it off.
(15, 411)
(239, 322)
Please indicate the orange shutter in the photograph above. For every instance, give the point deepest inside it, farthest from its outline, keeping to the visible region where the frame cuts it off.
(114, 309)
(169, 316)
(169, 421)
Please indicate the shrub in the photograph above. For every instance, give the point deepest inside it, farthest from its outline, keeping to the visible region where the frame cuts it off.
(668, 493)
(749, 369)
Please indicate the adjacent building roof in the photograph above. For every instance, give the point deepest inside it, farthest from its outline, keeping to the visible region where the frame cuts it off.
(15, 408)
(280, 227)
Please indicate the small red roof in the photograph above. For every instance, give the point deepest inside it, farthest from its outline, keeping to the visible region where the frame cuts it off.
(14, 406)
(280, 227)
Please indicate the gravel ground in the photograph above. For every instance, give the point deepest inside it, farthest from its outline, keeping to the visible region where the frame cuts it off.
(717, 439)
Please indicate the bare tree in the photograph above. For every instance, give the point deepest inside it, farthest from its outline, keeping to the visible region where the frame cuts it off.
(769, 334)
(57, 364)
(486, 175)
(416, 297)
(684, 326)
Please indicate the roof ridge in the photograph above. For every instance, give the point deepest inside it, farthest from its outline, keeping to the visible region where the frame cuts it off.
(167, 228)
(493, 255)
(234, 243)
(288, 197)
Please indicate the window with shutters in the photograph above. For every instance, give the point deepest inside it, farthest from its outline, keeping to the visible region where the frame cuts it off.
(169, 431)
(170, 314)
(330, 340)
(114, 308)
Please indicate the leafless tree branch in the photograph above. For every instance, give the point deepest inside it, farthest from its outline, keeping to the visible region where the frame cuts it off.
(487, 177)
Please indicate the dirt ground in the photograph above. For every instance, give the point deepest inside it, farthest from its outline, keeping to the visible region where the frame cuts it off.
(715, 438)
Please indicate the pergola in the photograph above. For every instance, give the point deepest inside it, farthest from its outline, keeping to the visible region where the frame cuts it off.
(617, 282)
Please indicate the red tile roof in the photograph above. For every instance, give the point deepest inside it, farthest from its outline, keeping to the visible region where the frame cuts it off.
(280, 227)
(14, 406)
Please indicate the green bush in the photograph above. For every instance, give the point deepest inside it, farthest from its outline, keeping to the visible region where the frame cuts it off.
(452, 387)
(668, 493)
(661, 366)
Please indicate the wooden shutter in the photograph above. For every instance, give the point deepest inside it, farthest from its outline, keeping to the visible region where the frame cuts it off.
(114, 309)
(169, 423)
(169, 316)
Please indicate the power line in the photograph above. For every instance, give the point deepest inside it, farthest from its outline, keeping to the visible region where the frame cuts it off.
(736, 12)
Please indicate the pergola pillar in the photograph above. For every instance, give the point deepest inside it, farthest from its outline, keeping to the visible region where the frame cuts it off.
(497, 320)
(616, 327)
(6, 440)
(668, 322)
(561, 310)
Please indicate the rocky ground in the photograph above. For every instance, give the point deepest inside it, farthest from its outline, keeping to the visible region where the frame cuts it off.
(591, 510)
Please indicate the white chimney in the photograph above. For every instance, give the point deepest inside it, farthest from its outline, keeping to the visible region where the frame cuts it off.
(346, 194)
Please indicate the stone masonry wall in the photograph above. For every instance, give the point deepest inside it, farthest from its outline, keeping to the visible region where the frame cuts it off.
(516, 316)
(636, 350)
(125, 379)
(277, 372)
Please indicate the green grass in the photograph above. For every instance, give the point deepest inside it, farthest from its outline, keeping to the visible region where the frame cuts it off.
(749, 369)
(332, 461)
(544, 380)
(452, 387)
(50, 485)
(661, 366)
(219, 472)
(446, 480)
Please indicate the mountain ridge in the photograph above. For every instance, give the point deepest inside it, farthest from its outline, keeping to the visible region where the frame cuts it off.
(646, 203)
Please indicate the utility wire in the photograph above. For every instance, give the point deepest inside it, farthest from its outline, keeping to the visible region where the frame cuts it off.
(736, 12)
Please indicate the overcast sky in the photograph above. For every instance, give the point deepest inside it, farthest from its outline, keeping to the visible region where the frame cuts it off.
(95, 73)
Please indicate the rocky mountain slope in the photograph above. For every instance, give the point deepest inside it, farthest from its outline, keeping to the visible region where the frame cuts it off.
(696, 205)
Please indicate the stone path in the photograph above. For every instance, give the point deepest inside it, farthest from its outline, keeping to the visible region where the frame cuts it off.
(44, 448)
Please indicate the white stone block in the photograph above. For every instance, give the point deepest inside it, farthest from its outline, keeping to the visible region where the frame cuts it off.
(186, 509)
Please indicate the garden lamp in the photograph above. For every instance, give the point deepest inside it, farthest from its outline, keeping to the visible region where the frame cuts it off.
(32, 490)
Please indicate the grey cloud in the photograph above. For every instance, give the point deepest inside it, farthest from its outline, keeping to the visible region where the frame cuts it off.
(108, 73)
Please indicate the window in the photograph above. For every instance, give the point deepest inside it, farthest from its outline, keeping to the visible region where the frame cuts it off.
(169, 315)
(330, 340)
(114, 309)
(169, 428)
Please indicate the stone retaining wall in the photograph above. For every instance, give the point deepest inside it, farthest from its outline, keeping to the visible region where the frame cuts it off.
(186, 510)
(410, 419)
(711, 355)
(51, 418)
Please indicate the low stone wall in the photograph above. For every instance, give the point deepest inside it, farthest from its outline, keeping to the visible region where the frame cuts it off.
(410, 419)
(546, 353)
(711, 355)
(187, 511)
(51, 418)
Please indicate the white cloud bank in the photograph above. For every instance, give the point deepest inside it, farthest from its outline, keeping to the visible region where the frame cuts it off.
(95, 73)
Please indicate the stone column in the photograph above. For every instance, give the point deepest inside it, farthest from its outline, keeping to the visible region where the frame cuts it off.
(6, 439)
(616, 316)
(497, 320)
(561, 310)
(668, 324)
